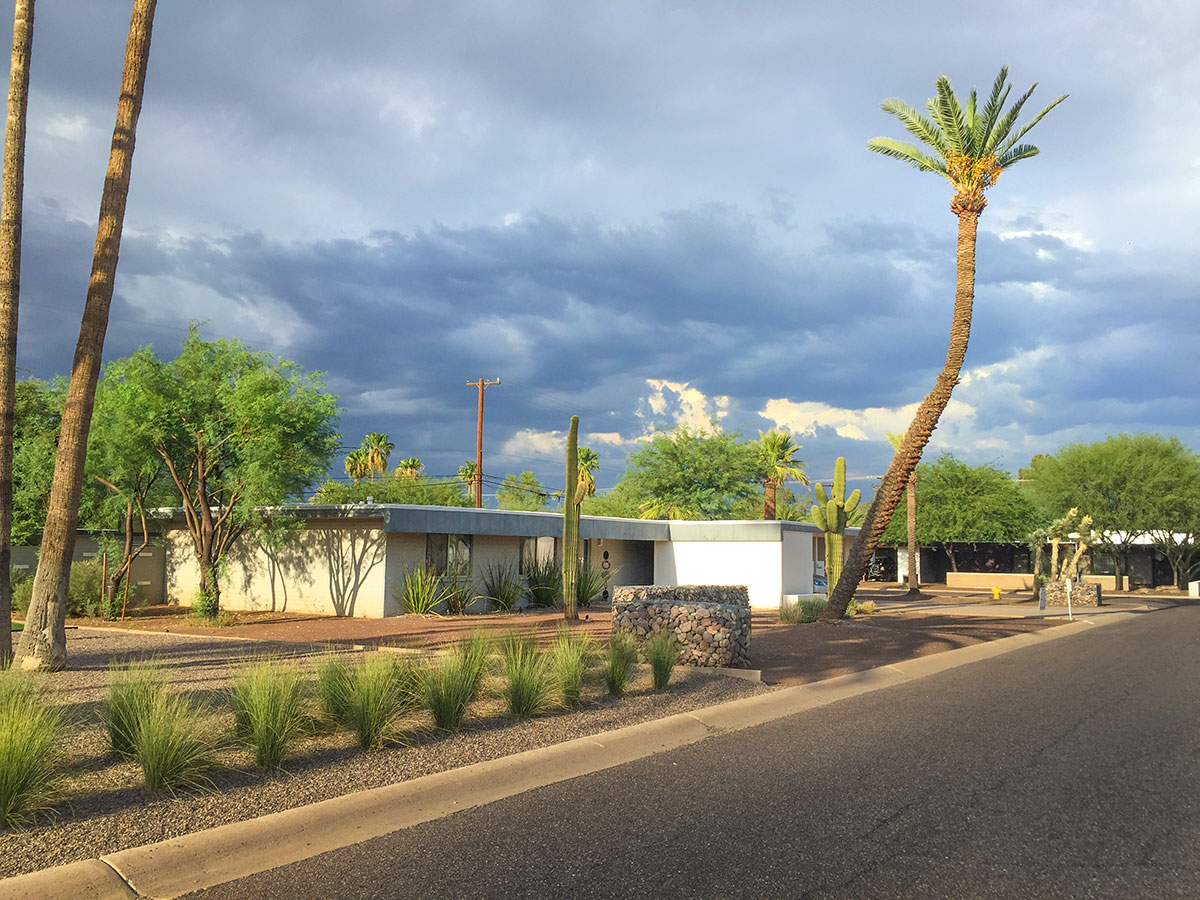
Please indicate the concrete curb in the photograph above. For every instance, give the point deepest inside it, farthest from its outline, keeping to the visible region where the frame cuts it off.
(226, 853)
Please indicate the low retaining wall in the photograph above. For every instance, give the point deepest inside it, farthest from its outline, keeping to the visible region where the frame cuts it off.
(1081, 594)
(1016, 581)
(711, 622)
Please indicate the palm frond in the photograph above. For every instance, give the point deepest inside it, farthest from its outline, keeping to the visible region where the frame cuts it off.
(916, 124)
(1016, 154)
(991, 112)
(951, 117)
(906, 153)
(970, 119)
(1011, 142)
(1006, 122)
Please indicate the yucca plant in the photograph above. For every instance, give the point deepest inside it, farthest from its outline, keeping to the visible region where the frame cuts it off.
(423, 590)
(132, 687)
(528, 683)
(30, 750)
(662, 652)
(271, 709)
(590, 582)
(176, 744)
(544, 580)
(621, 658)
(568, 656)
(502, 585)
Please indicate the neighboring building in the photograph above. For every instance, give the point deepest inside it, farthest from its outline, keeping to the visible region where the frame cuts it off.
(149, 569)
(350, 560)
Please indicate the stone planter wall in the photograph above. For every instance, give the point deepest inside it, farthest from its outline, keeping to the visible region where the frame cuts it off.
(711, 622)
(1082, 593)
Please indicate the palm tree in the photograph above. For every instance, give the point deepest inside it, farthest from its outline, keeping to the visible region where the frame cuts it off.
(44, 640)
(914, 585)
(589, 462)
(777, 459)
(12, 190)
(466, 473)
(409, 468)
(969, 148)
(377, 448)
(357, 466)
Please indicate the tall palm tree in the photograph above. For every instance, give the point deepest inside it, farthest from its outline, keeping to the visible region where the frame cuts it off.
(409, 468)
(466, 473)
(377, 448)
(895, 438)
(357, 466)
(969, 148)
(44, 641)
(12, 190)
(589, 462)
(777, 460)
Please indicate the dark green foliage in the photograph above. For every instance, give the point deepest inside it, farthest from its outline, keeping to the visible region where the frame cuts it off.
(418, 491)
(84, 592)
(544, 580)
(503, 586)
(523, 491)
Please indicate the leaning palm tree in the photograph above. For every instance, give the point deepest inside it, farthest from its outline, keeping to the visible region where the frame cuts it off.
(778, 463)
(44, 640)
(377, 448)
(589, 462)
(968, 147)
(895, 438)
(12, 191)
(356, 465)
(466, 473)
(409, 469)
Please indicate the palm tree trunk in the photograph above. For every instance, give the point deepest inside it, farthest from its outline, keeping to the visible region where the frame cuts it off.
(44, 642)
(967, 207)
(769, 499)
(12, 190)
(914, 581)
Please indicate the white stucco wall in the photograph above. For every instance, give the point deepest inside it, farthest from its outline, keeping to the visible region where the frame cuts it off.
(756, 564)
(798, 567)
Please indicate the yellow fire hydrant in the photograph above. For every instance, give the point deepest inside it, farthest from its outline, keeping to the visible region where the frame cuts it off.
(995, 593)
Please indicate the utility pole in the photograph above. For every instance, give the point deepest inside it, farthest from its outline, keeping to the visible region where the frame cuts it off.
(481, 384)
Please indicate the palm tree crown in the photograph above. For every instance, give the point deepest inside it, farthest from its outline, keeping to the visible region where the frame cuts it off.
(778, 463)
(377, 448)
(970, 147)
(409, 468)
(357, 466)
(589, 462)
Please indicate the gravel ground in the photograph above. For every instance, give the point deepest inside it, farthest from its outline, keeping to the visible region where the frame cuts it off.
(107, 809)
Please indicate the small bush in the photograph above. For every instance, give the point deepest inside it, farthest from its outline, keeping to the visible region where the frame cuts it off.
(175, 744)
(369, 697)
(568, 661)
(333, 687)
(503, 586)
(544, 578)
(22, 589)
(529, 683)
(270, 709)
(867, 607)
(590, 582)
(662, 652)
(621, 658)
(448, 687)
(30, 741)
(204, 604)
(457, 591)
(423, 590)
(474, 651)
(801, 611)
(85, 589)
(132, 689)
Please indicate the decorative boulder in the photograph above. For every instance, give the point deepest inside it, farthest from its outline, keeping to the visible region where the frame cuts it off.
(710, 622)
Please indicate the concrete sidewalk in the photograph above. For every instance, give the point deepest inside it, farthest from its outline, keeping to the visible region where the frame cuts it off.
(204, 859)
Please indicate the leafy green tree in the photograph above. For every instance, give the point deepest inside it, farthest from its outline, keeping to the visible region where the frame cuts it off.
(777, 459)
(236, 429)
(1131, 486)
(620, 502)
(35, 429)
(969, 148)
(418, 491)
(963, 504)
(523, 491)
(377, 448)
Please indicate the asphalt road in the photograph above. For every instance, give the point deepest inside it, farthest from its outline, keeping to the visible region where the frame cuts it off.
(1067, 769)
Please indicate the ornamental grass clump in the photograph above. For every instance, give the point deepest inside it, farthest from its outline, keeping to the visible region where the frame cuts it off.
(662, 652)
(590, 582)
(30, 742)
(333, 687)
(474, 650)
(369, 698)
(175, 744)
(517, 647)
(270, 709)
(132, 688)
(528, 683)
(544, 580)
(448, 687)
(621, 658)
(502, 586)
(568, 662)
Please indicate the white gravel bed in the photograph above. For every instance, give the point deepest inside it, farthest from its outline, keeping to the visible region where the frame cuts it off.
(105, 808)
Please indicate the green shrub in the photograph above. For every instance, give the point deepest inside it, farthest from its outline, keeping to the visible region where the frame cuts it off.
(528, 683)
(132, 688)
(30, 742)
(423, 590)
(801, 611)
(474, 650)
(568, 661)
(457, 592)
(22, 589)
(503, 586)
(544, 578)
(866, 608)
(176, 744)
(84, 589)
(270, 709)
(621, 658)
(333, 687)
(369, 697)
(590, 582)
(662, 652)
(204, 604)
(448, 687)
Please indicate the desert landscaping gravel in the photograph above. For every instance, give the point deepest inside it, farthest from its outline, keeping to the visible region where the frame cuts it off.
(105, 809)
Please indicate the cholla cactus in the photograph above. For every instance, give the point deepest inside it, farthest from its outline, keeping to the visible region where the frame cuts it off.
(1070, 528)
(831, 513)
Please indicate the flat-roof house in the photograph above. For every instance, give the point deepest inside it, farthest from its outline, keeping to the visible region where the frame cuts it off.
(350, 560)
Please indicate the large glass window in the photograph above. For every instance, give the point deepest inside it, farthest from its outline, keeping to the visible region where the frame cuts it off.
(448, 552)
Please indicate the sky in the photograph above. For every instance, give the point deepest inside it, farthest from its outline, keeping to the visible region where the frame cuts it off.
(641, 213)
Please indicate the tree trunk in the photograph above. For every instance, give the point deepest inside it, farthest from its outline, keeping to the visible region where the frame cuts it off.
(1116, 558)
(12, 190)
(950, 554)
(43, 642)
(914, 580)
(1125, 567)
(968, 208)
(769, 499)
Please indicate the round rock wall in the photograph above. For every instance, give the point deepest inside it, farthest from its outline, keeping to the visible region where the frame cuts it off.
(711, 622)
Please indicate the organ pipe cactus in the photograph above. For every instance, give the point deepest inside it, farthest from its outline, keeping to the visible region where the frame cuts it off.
(831, 513)
(570, 542)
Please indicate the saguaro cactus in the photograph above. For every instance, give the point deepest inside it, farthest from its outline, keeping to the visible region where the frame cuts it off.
(570, 542)
(831, 513)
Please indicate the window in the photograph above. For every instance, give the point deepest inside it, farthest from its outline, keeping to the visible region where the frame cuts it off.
(448, 552)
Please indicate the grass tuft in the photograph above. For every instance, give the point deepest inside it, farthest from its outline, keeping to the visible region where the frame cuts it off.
(270, 709)
(132, 688)
(662, 652)
(447, 688)
(801, 611)
(621, 658)
(30, 742)
(544, 580)
(568, 661)
(528, 682)
(175, 744)
(369, 697)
